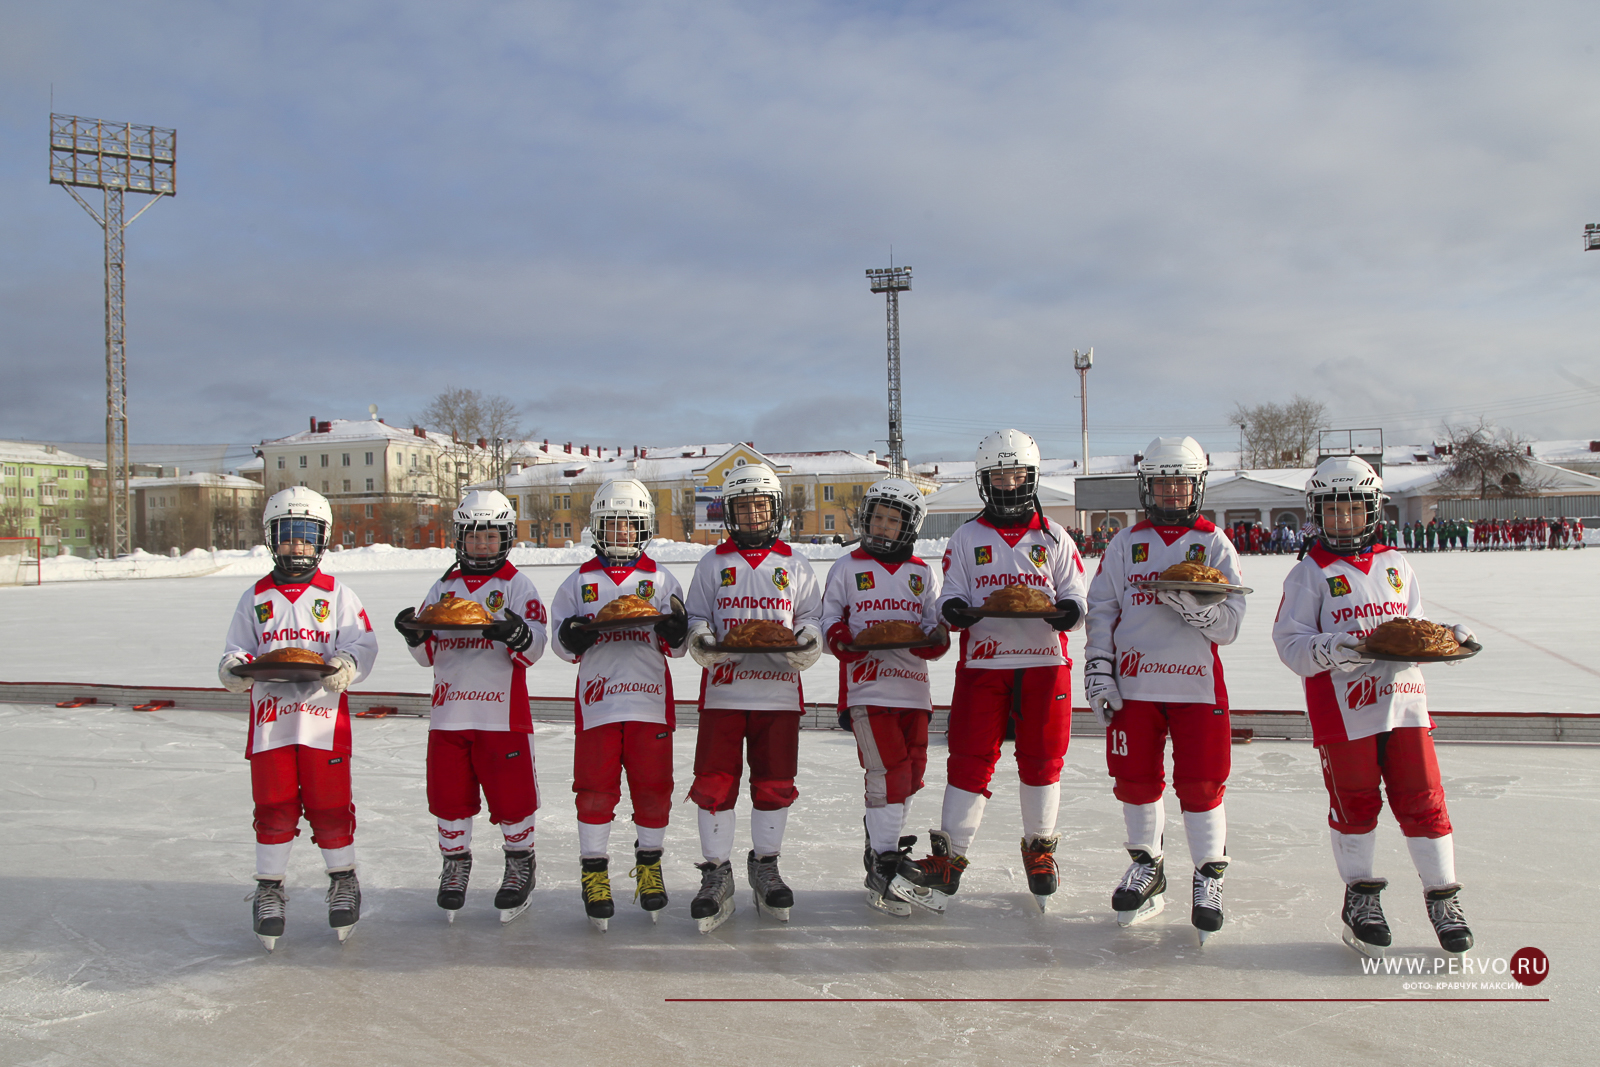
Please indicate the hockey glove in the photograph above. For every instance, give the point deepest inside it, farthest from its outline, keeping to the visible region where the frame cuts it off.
(413, 637)
(673, 629)
(1100, 689)
(340, 680)
(806, 635)
(1070, 619)
(230, 681)
(700, 642)
(956, 612)
(941, 637)
(1337, 652)
(510, 631)
(839, 636)
(1196, 614)
(573, 639)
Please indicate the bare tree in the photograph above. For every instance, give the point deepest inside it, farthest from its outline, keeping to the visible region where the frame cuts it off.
(683, 500)
(468, 416)
(1492, 461)
(851, 506)
(796, 502)
(1280, 435)
(539, 513)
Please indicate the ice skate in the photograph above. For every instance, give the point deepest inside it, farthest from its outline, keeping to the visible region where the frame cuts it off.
(1364, 927)
(1206, 915)
(771, 895)
(1039, 860)
(650, 888)
(1444, 911)
(714, 903)
(344, 902)
(268, 905)
(1142, 892)
(453, 883)
(596, 887)
(931, 881)
(519, 880)
(881, 871)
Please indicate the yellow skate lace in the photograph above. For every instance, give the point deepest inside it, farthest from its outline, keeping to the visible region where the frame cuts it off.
(647, 877)
(596, 885)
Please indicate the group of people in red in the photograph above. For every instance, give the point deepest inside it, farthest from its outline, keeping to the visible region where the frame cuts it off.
(1498, 535)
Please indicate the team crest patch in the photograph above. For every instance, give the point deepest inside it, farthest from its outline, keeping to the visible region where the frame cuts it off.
(646, 590)
(1338, 586)
(1196, 554)
(320, 610)
(780, 577)
(1037, 555)
(915, 582)
(1141, 552)
(494, 601)
(590, 593)
(264, 612)
(1394, 578)
(729, 575)
(865, 581)
(983, 554)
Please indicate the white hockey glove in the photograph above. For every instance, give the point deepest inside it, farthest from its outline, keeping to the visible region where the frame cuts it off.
(1100, 689)
(807, 634)
(230, 681)
(340, 680)
(1196, 614)
(1337, 652)
(700, 642)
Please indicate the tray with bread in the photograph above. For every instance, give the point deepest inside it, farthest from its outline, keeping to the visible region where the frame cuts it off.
(1415, 641)
(759, 635)
(286, 665)
(628, 611)
(896, 633)
(1017, 602)
(1207, 583)
(451, 613)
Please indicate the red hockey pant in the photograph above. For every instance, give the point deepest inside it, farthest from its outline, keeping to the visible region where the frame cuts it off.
(773, 739)
(499, 762)
(1202, 752)
(892, 744)
(1403, 759)
(1038, 698)
(286, 782)
(601, 754)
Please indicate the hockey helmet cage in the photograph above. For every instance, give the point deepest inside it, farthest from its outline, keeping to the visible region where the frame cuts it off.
(1341, 479)
(897, 497)
(752, 481)
(1008, 449)
(622, 519)
(292, 515)
(1172, 457)
(484, 509)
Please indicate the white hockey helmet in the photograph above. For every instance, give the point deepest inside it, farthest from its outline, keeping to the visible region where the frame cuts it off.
(754, 480)
(484, 509)
(896, 497)
(622, 519)
(1340, 479)
(1172, 457)
(297, 514)
(1014, 449)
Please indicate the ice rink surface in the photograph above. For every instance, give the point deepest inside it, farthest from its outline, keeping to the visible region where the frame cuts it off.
(124, 932)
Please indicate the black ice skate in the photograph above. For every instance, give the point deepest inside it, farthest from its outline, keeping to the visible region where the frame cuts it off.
(1206, 915)
(931, 881)
(1039, 860)
(519, 880)
(344, 901)
(650, 888)
(771, 895)
(453, 883)
(596, 888)
(714, 903)
(267, 908)
(1142, 892)
(1444, 911)
(881, 869)
(1364, 927)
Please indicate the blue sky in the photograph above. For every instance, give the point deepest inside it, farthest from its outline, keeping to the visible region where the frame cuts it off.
(649, 222)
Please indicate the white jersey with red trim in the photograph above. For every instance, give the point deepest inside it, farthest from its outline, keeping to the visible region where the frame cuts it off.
(863, 590)
(479, 683)
(623, 677)
(323, 615)
(981, 559)
(1327, 593)
(732, 585)
(1158, 656)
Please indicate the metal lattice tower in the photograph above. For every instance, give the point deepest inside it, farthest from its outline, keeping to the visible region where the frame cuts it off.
(114, 158)
(1082, 361)
(893, 281)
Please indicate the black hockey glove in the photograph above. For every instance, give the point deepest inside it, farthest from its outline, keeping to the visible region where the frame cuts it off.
(1070, 619)
(956, 614)
(673, 629)
(575, 640)
(413, 637)
(512, 631)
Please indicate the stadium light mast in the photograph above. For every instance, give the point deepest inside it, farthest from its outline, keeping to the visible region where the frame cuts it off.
(1591, 237)
(1082, 361)
(893, 281)
(114, 157)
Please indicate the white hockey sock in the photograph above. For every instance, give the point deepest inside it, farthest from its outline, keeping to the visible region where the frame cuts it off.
(1039, 806)
(1435, 859)
(649, 838)
(272, 861)
(1354, 854)
(716, 835)
(905, 820)
(455, 836)
(594, 840)
(883, 827)
(766, 831)
(962, 813)
(519, 835)
(1207, 832)
(1147, 824)
(339, 859)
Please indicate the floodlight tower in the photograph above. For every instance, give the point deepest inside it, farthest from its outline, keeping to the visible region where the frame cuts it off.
(893, 281)
(1083, 361)
(1591, 237)
(114, 157)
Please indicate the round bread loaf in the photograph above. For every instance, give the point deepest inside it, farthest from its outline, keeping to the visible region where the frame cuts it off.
(1412, 637)
(302, 656)
(759, 633)
(456, 611)
(894, 632)
(1019, 598)
(1188, 571)
(627, 607)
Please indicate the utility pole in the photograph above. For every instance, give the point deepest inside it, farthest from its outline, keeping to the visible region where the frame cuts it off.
(893, 281)
(1082, 361)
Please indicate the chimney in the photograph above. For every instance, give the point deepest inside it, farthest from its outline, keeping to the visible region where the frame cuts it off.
(313, 424)
(872, 455)
(702, 450)
(586, 450)
(324, 427)
(483, 442)
(546, 446)
(418, 431)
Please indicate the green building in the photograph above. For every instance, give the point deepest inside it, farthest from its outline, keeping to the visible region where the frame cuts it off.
(53, 495)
